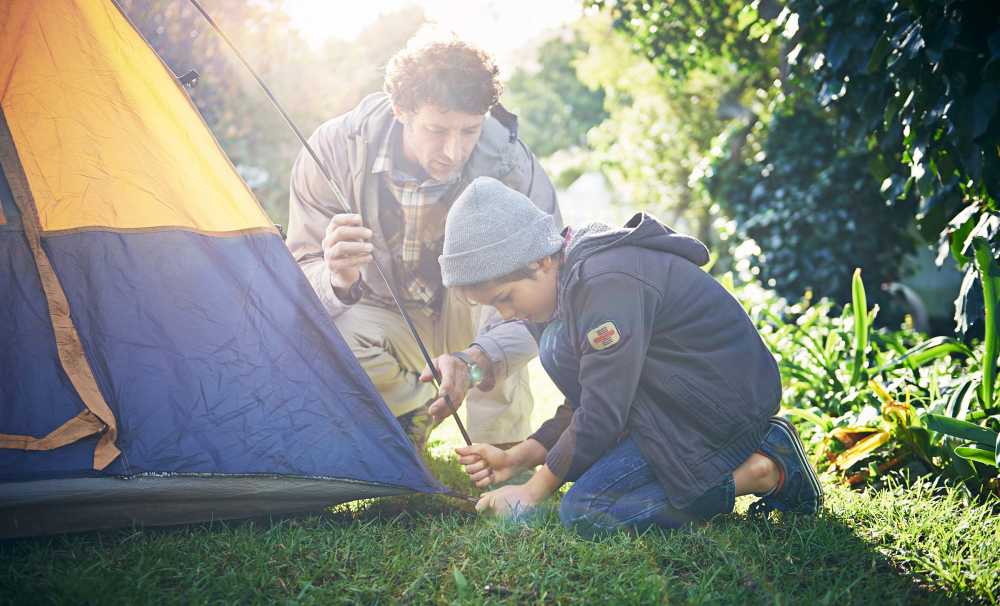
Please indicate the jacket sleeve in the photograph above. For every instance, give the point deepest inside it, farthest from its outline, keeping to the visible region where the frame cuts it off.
(312, 204)
(548, 434)
(508, 344)
(614, 318)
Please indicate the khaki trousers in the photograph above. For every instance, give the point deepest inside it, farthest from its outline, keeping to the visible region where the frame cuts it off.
(389, 354)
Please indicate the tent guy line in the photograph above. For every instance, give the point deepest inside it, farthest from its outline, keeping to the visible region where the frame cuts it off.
(347, 209)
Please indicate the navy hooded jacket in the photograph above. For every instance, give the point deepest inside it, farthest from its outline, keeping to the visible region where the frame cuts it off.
(662, 352)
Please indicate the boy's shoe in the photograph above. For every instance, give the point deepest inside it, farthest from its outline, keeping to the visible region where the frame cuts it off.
(798, 489)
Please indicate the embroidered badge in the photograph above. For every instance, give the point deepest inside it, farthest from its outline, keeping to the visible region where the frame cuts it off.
(604, 336)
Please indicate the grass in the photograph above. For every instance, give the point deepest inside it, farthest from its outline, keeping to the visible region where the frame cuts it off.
(899, 545)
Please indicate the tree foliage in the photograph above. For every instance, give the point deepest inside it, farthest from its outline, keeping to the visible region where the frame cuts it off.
(804, 196)
(921, 81)
(657, 131)
(312, 85)
(777, 169)
(555, 109)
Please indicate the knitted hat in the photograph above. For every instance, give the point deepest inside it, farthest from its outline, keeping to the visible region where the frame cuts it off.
(491, 231)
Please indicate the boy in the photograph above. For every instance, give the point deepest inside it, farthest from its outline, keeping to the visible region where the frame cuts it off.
(669, 389)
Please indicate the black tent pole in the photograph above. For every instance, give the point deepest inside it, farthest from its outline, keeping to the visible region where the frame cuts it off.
(346, 208)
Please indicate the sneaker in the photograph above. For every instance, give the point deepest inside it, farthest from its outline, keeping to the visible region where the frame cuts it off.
(798, 490)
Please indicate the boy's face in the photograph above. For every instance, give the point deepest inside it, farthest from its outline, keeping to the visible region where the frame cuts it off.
(532, 299)
(440, 141)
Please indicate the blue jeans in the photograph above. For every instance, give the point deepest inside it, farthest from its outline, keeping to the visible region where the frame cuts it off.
(620, 491)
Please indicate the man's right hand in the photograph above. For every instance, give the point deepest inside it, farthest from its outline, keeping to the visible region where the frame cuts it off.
(346, 249)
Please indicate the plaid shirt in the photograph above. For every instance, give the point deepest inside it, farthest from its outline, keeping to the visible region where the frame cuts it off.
(414, 227)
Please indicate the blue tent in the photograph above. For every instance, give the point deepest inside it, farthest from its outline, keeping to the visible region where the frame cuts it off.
(162, 358)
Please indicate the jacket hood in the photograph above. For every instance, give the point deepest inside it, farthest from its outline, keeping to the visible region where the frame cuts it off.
(642, 231)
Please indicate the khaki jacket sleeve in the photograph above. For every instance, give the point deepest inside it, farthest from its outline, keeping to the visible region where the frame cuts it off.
(312, 204)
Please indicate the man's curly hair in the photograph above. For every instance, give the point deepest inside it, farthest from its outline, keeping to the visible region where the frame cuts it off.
(448, 73)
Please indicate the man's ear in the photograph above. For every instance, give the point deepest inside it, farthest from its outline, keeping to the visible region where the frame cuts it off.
(401, 115)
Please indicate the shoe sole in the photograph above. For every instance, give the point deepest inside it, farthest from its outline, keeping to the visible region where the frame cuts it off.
(790, 430)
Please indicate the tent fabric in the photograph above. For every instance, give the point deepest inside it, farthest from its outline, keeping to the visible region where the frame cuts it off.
(106, 503)
(226, 383)
(97, 417)
(98, 119)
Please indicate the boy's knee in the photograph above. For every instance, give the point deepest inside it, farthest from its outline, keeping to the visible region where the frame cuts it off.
(570, 510)
(579, 511)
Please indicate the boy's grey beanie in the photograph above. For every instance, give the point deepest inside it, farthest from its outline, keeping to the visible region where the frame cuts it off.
(491, 231)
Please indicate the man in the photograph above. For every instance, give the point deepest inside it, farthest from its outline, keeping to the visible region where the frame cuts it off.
(400, 159)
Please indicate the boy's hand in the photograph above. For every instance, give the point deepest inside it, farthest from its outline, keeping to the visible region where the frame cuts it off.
(486, 464)
(508, 501)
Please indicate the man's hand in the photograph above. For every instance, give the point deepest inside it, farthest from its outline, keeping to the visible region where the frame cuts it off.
(455, 380)
(346, 250)
(487, 464)
(509, 501)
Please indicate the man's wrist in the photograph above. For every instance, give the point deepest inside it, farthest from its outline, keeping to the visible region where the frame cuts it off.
(349, 295)
(485, 363)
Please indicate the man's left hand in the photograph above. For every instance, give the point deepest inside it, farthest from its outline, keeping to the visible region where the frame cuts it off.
(455, 381)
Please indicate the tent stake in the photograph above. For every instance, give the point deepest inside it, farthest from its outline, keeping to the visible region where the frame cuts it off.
(347, 209)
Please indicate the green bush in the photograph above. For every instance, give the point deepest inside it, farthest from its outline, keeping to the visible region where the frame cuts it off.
(921, 82)
(806, 198)
(873, 401)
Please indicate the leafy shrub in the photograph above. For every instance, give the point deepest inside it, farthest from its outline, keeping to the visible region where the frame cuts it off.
(806, 198)
(873, 400)
(920, 81)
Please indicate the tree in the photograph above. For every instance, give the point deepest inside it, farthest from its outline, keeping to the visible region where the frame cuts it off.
(773, 166)
(920, 81)
(312, 86)
(555, 109)
(658, 130)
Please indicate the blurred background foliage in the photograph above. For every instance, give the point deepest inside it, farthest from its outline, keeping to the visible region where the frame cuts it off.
(312, 84)
(800, 139)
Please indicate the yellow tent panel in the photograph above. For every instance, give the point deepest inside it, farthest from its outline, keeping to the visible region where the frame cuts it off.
(102, 134)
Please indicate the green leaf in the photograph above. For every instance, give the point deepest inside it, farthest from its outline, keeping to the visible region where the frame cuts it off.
(961, 398)
(859, 303)
(961, 225)
(989, 275)
(878, 55)
(978, 455)
(928, 351)
(960, 429)
(822, 423)
(461, 584)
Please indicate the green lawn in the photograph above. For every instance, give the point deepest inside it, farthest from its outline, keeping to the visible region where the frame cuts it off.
(898, 545)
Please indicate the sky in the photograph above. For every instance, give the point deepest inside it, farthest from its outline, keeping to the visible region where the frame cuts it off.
(498, 26)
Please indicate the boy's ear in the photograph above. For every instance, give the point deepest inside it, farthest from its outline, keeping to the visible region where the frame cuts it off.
(545, 264)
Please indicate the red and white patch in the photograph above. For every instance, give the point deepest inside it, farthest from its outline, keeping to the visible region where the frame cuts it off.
(604, 336)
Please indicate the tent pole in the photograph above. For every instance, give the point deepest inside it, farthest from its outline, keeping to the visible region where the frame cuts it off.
(346, 208)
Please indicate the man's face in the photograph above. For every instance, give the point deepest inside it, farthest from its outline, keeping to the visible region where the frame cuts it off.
(440, 141)
(532, 299)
